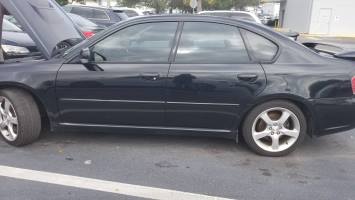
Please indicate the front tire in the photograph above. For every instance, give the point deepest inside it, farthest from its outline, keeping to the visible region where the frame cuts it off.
(274, 128)
(20, 120)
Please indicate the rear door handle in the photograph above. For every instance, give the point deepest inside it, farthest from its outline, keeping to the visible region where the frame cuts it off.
(150, 76)
(247, 77)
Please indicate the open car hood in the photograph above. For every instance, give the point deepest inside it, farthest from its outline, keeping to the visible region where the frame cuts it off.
(46, 22)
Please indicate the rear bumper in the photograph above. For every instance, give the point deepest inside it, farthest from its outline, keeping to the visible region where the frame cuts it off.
(333, 115)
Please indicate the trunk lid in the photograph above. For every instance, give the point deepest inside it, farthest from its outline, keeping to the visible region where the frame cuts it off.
(46, 22)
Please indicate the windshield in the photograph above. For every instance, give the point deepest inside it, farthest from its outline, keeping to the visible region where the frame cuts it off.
(8, 26)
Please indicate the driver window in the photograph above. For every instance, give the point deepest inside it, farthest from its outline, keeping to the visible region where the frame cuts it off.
(142, 43)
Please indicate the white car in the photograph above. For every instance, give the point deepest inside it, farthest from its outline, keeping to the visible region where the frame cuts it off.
(130, 12)
(242, 15)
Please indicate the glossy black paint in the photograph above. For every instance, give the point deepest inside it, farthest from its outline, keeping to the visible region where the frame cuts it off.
(183, 97)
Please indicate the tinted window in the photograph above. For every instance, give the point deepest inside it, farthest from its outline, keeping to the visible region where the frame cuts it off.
(262, 48)
(211, 43)
(84, 12)
(99, 14)
(147, 43)
(82, 22)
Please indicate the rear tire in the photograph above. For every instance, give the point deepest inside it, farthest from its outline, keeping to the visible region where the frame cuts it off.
(274, 128)
(20, 120)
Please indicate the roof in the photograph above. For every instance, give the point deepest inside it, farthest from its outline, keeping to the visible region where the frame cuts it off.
(96, 7)
(223, 11)
(184, 17)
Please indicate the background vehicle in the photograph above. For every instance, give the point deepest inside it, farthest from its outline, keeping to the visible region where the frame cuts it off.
(248, 16)
(99, 15)
(12, 20)
(16, 43)
(241, 15)
(87, 27)
(130, 12)
(265, 19)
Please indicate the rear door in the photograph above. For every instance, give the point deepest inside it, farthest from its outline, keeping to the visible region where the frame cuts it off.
(212, 78)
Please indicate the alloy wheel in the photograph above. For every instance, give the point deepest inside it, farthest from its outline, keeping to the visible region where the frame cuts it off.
(276, 129)
(8, 120)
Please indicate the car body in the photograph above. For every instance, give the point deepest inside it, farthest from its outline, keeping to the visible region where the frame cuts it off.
(130, 12)
(241, 15)
(179, 73)
(16, 43)
(87, 27)
(99, 15)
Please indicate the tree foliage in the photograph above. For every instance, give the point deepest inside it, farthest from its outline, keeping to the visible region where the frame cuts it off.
(130, 3)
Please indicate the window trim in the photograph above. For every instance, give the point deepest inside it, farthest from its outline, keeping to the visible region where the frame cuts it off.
(251, 61)
(249, 49)
(130, 25)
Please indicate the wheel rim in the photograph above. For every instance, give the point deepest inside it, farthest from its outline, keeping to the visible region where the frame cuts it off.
(8, 120)
(276, 129)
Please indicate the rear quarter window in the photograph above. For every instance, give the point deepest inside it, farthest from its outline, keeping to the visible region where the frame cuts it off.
(261, 48)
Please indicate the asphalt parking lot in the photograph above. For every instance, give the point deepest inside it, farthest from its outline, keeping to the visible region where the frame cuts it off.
(322, 168)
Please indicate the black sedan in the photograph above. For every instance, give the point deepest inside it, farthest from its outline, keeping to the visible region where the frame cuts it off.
(194, 74)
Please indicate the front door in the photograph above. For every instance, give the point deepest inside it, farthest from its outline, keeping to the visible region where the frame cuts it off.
(123, 85)
(212, 78)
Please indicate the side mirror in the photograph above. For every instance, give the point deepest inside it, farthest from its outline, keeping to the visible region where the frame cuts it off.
(85, 56)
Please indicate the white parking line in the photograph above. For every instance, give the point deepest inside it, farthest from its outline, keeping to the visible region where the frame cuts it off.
(101, 185)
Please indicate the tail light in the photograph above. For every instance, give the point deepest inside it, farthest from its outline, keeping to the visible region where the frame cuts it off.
(88, 34)
(353, 84)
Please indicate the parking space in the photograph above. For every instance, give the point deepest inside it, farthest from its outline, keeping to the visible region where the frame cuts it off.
(322, 168)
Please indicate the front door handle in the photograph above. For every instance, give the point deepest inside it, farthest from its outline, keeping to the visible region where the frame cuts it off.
(150, 76)
(247, 77)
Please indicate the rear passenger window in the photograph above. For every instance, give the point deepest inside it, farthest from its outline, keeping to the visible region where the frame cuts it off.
(84, 12)
(99, 14)
(211, 43)
(261, 48)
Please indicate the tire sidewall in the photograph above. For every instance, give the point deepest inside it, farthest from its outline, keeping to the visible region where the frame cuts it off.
(249, 120)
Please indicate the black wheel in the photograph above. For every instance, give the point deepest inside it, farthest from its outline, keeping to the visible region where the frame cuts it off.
(274, 128)
(20, 120)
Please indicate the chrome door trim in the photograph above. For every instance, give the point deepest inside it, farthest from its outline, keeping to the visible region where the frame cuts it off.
(197, 103)
(155, 102)
(147, 127)
(104, 100)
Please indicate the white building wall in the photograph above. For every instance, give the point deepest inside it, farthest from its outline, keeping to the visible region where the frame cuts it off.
(297, 16)
(333, 17)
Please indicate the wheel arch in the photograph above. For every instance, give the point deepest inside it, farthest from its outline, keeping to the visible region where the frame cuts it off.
(46, 122)
(300, 102)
